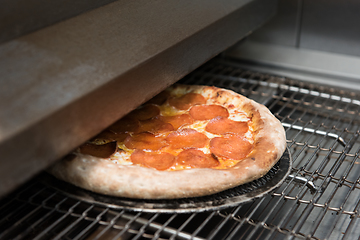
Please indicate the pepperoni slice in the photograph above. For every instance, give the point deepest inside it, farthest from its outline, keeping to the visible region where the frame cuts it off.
(177, 120)
(197, 159)
(101, 151)
(187, 138)
(145, 112)
(155, 125)
(125, 125)
(159, 161)
(186, 101)
(231, 146)
(145, 141)
(160, 98)
(221, 125)
(112, 136)
(205, 112)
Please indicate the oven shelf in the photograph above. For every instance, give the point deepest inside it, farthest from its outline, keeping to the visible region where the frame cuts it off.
(322, 126)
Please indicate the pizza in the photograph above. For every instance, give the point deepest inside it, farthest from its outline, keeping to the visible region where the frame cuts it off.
(187, 141)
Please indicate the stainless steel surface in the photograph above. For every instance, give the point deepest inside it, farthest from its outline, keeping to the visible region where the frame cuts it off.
(330, 209)
(321, 25)
(285, 28)
(225, 199)
(64, 83)
(19, 17)
(313, 66)
(331, 26)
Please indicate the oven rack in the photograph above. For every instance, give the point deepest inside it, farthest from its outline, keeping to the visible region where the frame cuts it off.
(320, 199)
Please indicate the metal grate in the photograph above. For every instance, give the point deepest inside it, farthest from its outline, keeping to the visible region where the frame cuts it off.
(320, 201)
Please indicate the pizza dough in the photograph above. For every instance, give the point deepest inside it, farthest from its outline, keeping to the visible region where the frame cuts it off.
(188, 141)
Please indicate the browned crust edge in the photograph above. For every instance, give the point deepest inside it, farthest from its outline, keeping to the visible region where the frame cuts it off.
(102, 176)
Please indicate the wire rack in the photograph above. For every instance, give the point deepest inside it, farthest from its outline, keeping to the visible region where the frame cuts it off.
(319, 200)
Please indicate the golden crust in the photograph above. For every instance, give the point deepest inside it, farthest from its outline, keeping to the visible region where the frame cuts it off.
(105, 177)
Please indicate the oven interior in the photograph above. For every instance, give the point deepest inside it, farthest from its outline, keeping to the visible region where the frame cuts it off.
(320, 199)
(311, 87)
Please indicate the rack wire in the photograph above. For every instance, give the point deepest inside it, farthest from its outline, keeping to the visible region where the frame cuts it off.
(320, 199)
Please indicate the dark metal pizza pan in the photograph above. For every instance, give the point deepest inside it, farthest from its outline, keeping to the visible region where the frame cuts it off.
(228, 198)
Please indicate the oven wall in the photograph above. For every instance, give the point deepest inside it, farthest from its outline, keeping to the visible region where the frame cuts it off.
(324, 25)
(308, 40)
